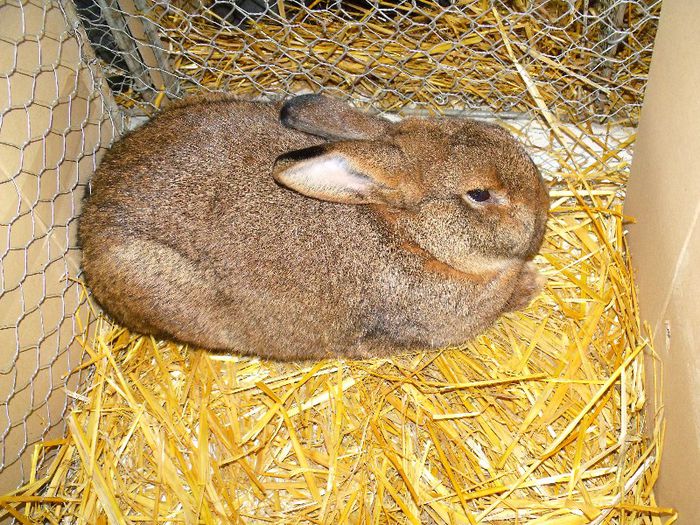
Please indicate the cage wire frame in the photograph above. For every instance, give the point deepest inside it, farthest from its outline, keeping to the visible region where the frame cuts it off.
(109, 64)
(589, 57)
(55, 118)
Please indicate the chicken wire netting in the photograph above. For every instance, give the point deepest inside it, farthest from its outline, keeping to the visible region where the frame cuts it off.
(53, 121)
(71, 72)
(587, 58)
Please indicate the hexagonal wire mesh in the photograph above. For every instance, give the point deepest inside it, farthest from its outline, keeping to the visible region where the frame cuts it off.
(588, 60)
(52, 124)
(588, 57)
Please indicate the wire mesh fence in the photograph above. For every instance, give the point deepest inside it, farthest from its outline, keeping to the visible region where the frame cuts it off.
(588, 58)
(70, 71)
(52, 124)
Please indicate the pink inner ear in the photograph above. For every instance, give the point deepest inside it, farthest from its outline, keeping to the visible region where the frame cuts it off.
(330, 171)
(328, 177)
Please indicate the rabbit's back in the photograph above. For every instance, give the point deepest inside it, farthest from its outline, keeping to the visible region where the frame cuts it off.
(191, 192)
(191, 164)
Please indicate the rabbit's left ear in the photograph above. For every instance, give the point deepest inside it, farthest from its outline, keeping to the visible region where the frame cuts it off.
(331, 119)
(349, 173)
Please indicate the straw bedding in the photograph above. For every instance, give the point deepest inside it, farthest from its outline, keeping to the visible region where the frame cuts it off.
(540, 420)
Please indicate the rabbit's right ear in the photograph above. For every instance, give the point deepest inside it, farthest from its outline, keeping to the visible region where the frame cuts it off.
(343, 172)
(331, 119)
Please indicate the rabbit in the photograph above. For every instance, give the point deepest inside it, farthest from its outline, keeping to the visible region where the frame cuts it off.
(308, 229)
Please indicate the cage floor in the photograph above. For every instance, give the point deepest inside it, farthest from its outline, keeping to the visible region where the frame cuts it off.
(539, 420)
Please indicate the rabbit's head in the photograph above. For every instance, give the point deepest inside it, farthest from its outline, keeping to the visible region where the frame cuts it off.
(464, 191)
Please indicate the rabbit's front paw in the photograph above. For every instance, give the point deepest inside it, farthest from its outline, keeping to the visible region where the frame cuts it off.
(530, 284)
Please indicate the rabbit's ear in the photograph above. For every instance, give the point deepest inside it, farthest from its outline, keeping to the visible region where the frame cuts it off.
(328, 173)
(331, 119)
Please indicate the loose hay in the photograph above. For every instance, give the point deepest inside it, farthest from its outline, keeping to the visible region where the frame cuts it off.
(539, 420)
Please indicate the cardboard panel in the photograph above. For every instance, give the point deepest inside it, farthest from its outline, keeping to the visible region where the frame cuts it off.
(664, 196)
(53, 128)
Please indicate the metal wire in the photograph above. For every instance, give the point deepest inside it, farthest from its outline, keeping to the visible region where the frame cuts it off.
(588, 58)
(53, 122)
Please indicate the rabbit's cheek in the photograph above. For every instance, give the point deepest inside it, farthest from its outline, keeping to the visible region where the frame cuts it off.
(455, 249)
(515, 234)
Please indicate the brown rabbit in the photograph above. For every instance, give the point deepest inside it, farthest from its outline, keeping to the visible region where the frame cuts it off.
(310, 229)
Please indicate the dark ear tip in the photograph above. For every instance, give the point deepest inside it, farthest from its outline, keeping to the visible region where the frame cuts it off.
(302, 154)
(288, 159)
(294, 104)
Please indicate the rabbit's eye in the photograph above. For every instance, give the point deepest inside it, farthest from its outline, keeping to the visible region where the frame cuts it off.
(479, 195)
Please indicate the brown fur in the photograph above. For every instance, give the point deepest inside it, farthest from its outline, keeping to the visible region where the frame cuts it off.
(190, 232)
